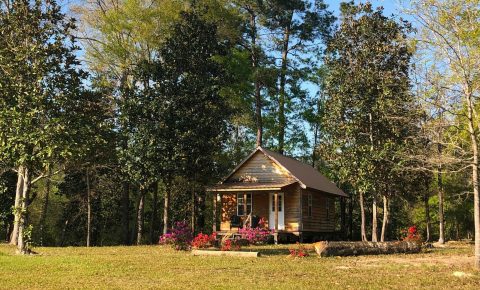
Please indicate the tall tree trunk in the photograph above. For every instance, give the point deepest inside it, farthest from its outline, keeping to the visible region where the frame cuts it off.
(166, 205)
(127, 239)
(89, 209)
(23, 230)
(426, 197)
(126, 212)
(315, 138)
(441, 218)
(140, 211)
(362, 217)
(282, 121)
(43, 217)
(258, 97)
(154, 219)
(18, 198)
(386, 215)
(476, 198)
(343, 217)
(193, 209)
(374, 220)
(350, 219)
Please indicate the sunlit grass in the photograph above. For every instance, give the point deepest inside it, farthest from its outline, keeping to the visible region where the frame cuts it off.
(161, 267)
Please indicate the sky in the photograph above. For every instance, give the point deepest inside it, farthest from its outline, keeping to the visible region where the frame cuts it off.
(390, 6)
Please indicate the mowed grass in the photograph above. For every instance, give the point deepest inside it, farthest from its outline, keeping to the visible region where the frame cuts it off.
(160, 267)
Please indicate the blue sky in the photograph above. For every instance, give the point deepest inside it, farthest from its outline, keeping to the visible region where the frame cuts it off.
(390, 6)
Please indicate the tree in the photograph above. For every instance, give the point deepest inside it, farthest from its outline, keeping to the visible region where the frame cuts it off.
(181, 119)
(370, 110)
(448, 33)
(41, 96)
(298, 28)
(7, 186)
(119, 35)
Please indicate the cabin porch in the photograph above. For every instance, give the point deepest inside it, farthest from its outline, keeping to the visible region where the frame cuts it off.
(276, 206)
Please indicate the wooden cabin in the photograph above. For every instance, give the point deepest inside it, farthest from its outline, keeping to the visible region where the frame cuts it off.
(291, 196)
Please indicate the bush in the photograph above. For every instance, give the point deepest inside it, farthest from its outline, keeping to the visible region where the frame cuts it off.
(411, 235)
(180, 236)
(230, 245)
(299, 252)
(255, 236)
(202, 241)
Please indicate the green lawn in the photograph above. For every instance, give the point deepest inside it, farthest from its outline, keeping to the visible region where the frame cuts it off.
(161, 267)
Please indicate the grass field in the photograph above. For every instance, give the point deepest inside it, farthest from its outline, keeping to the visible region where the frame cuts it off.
(148, 267)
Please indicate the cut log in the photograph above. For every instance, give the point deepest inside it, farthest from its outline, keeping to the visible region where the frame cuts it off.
(225, 253)
(327, 249)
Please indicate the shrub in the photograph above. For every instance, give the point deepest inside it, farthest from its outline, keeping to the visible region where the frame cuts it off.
(167, 239)
(230, 245)
(180, 236)
(299, 252)
(412, 235)
(255, 236)
(202, 241)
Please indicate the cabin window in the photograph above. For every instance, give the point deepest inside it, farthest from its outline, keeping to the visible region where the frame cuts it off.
(279, 203)
(327, 208)
(241, 204)
(310, 204)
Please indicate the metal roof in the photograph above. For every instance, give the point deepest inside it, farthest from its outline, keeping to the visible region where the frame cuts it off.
(304, 173)
(249, 186)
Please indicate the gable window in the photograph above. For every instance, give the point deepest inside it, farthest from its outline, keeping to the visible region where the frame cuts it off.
(241, 204)
(310, 204)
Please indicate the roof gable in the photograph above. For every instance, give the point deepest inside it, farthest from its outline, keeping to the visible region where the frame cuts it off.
(259, 168)
(290, 169)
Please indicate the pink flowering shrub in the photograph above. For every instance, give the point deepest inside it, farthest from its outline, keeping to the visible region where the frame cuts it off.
(180, 236)
(255, 236)
(258, 235)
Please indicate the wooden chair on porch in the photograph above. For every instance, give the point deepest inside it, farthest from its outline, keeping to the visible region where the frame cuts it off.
(235, 222)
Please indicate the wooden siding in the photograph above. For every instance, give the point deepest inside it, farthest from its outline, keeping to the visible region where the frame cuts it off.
(259, 168)
(292, 207)
(260, 205)
(318, 222)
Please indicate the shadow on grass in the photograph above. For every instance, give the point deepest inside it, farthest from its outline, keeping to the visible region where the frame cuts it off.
(272, 250)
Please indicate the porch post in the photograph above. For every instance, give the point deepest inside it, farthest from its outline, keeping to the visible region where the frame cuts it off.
(245, 204)
(275, 235)
(214, 226)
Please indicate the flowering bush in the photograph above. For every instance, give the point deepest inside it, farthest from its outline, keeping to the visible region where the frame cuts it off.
(262, 223)
(204, 241)
(300, 251)
(412, 235)
(180, 236)
(167, 239)
(255, 236)
(230, 245)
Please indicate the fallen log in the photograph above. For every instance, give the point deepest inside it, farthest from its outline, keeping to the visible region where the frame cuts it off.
(225, 253)
(327, 249)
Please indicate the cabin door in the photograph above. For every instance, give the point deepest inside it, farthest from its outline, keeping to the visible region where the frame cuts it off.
(281, 212)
